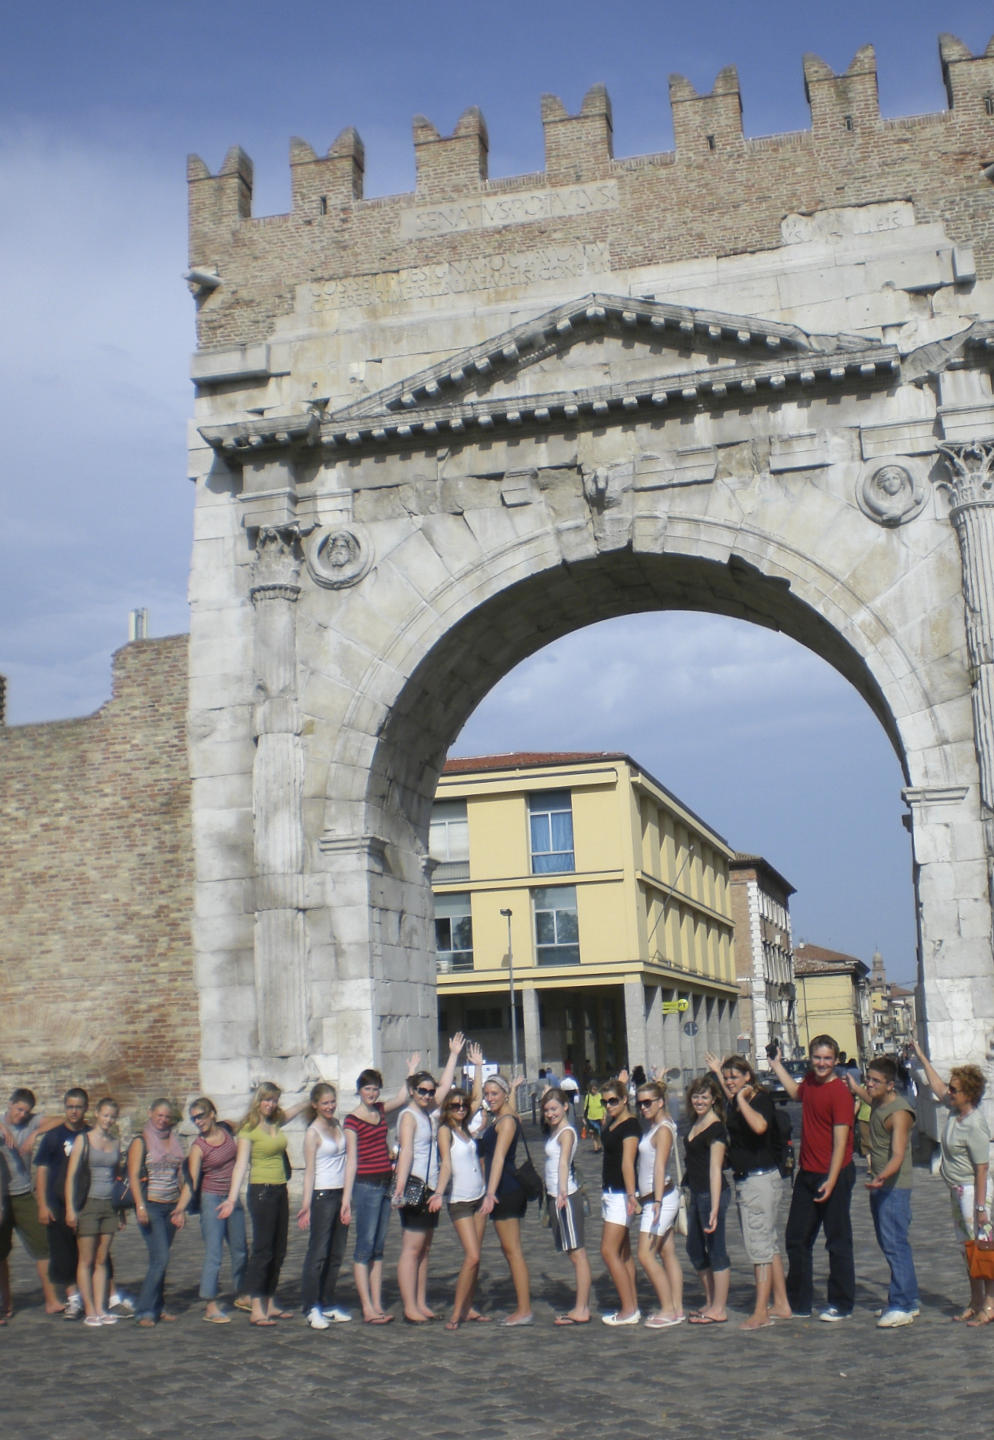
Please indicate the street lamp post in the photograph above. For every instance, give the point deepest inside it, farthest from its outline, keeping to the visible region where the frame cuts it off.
(510, 981)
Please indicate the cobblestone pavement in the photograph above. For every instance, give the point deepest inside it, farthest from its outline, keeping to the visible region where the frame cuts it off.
(799, 1378)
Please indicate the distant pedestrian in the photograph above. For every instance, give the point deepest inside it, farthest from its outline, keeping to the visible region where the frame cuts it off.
(593, 1113)
(564, 1203)
(708, 1197)
(823, 1184)
(965, 1143)
(892, 1118)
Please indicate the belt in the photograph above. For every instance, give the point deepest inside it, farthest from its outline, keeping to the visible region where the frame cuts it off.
(744, 1174)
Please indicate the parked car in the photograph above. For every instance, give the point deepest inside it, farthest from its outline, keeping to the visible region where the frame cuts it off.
(771, 1081)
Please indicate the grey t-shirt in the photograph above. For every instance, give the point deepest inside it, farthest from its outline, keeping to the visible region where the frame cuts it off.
(18, 1167)
(966, 1142)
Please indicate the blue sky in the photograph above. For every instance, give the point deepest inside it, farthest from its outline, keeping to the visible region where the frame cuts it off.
(99, 106)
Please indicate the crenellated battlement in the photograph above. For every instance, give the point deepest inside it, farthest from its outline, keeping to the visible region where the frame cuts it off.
(716, 192)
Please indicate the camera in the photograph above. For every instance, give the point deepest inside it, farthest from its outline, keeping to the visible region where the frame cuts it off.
(773, 1049)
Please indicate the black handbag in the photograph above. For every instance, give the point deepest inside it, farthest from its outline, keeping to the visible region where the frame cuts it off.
(418, 1192)
(526, 1175)
(81, 1179)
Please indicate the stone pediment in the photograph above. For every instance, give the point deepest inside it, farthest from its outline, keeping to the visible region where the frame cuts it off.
(595, 359)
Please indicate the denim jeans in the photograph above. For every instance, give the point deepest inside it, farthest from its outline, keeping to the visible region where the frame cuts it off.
(270, 1211)
(215, 1232)
(158, 1235)
(806, 1218)
(891, 1211)
(370, 1217)
(325, 1250)
(707, 1252)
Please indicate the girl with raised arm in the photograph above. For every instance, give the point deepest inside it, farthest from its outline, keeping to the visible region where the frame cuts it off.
(965, 1167)
(504, 1200)
(417, 1160)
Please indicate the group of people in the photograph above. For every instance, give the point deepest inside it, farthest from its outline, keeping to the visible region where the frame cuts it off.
(463, 1147)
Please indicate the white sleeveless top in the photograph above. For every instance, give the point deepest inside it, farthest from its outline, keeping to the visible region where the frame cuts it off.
(647, 1157)
(467, 1175)
(425, 1162)
(553, 1150)
(329, 1162)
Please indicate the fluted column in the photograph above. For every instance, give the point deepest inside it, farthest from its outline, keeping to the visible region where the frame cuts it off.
(971, 486)
(277, 788)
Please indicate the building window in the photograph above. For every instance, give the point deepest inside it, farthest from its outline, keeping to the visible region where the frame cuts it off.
(453, 932)
(550, 822)
(557, 933)
(448, 841)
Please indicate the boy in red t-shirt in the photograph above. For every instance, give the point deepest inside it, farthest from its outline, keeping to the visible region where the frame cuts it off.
(823, 1184)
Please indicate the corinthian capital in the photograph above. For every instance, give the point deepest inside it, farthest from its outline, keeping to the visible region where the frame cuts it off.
(969, 467)
(277, 564)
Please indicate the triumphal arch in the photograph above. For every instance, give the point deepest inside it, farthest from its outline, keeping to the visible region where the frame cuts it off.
(435, 431)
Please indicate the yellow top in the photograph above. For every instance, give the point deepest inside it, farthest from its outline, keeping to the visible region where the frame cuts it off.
(268, 1150)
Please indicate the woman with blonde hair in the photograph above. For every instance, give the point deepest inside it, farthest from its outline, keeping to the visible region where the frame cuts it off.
(504, 1200)
(659, 1199)
(155, 1165)
(262, 1155)
(321, 1211)
(620, 1136)
(95, 1221)
(211, 1165)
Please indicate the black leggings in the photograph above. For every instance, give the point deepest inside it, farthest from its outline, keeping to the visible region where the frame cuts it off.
(269, 1207)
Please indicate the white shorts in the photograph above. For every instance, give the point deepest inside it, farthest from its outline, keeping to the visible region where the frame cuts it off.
(667, 1213)
(614, 1208)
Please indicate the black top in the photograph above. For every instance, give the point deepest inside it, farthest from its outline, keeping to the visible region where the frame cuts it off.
(613, 1142)
(747, 1150)
(486, 1144)
(697, 1170)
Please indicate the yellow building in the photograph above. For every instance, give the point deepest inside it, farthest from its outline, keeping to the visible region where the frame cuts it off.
(833, 998)
(614, 897)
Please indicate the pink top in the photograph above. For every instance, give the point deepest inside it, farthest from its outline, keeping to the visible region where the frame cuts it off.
(218, 1163)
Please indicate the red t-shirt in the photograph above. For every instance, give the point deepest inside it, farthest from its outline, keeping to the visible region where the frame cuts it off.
(822, 1108)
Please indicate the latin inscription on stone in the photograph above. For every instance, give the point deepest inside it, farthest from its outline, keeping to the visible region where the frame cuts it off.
(513, 208)
(455, 277)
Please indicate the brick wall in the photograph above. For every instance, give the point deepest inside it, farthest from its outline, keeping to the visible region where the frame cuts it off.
(717, 193)
(96, 957)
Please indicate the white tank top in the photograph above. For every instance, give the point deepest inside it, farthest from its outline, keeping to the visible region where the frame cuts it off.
(647, 1157)
(425, 1162)
(553, 1150)
(329, 1162)
(467, 1176)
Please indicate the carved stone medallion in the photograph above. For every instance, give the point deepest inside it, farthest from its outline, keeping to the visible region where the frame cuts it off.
(891, 493)
(338, 558)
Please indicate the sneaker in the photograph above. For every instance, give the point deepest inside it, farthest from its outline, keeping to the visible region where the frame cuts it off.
(914, 1312)
(74, 1307)
(833, 1315)
(336, 1316)
(316, 1320)
(123, 1304)
(891, 1319)
(618, 1319)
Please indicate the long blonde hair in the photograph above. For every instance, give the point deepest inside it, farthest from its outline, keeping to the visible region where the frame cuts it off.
(266, 1091)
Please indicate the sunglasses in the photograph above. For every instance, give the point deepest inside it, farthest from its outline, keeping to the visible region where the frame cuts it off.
(644, 1104)
(426, 1093)
(200, 1115)
(611, 1100)
(459, 1105)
